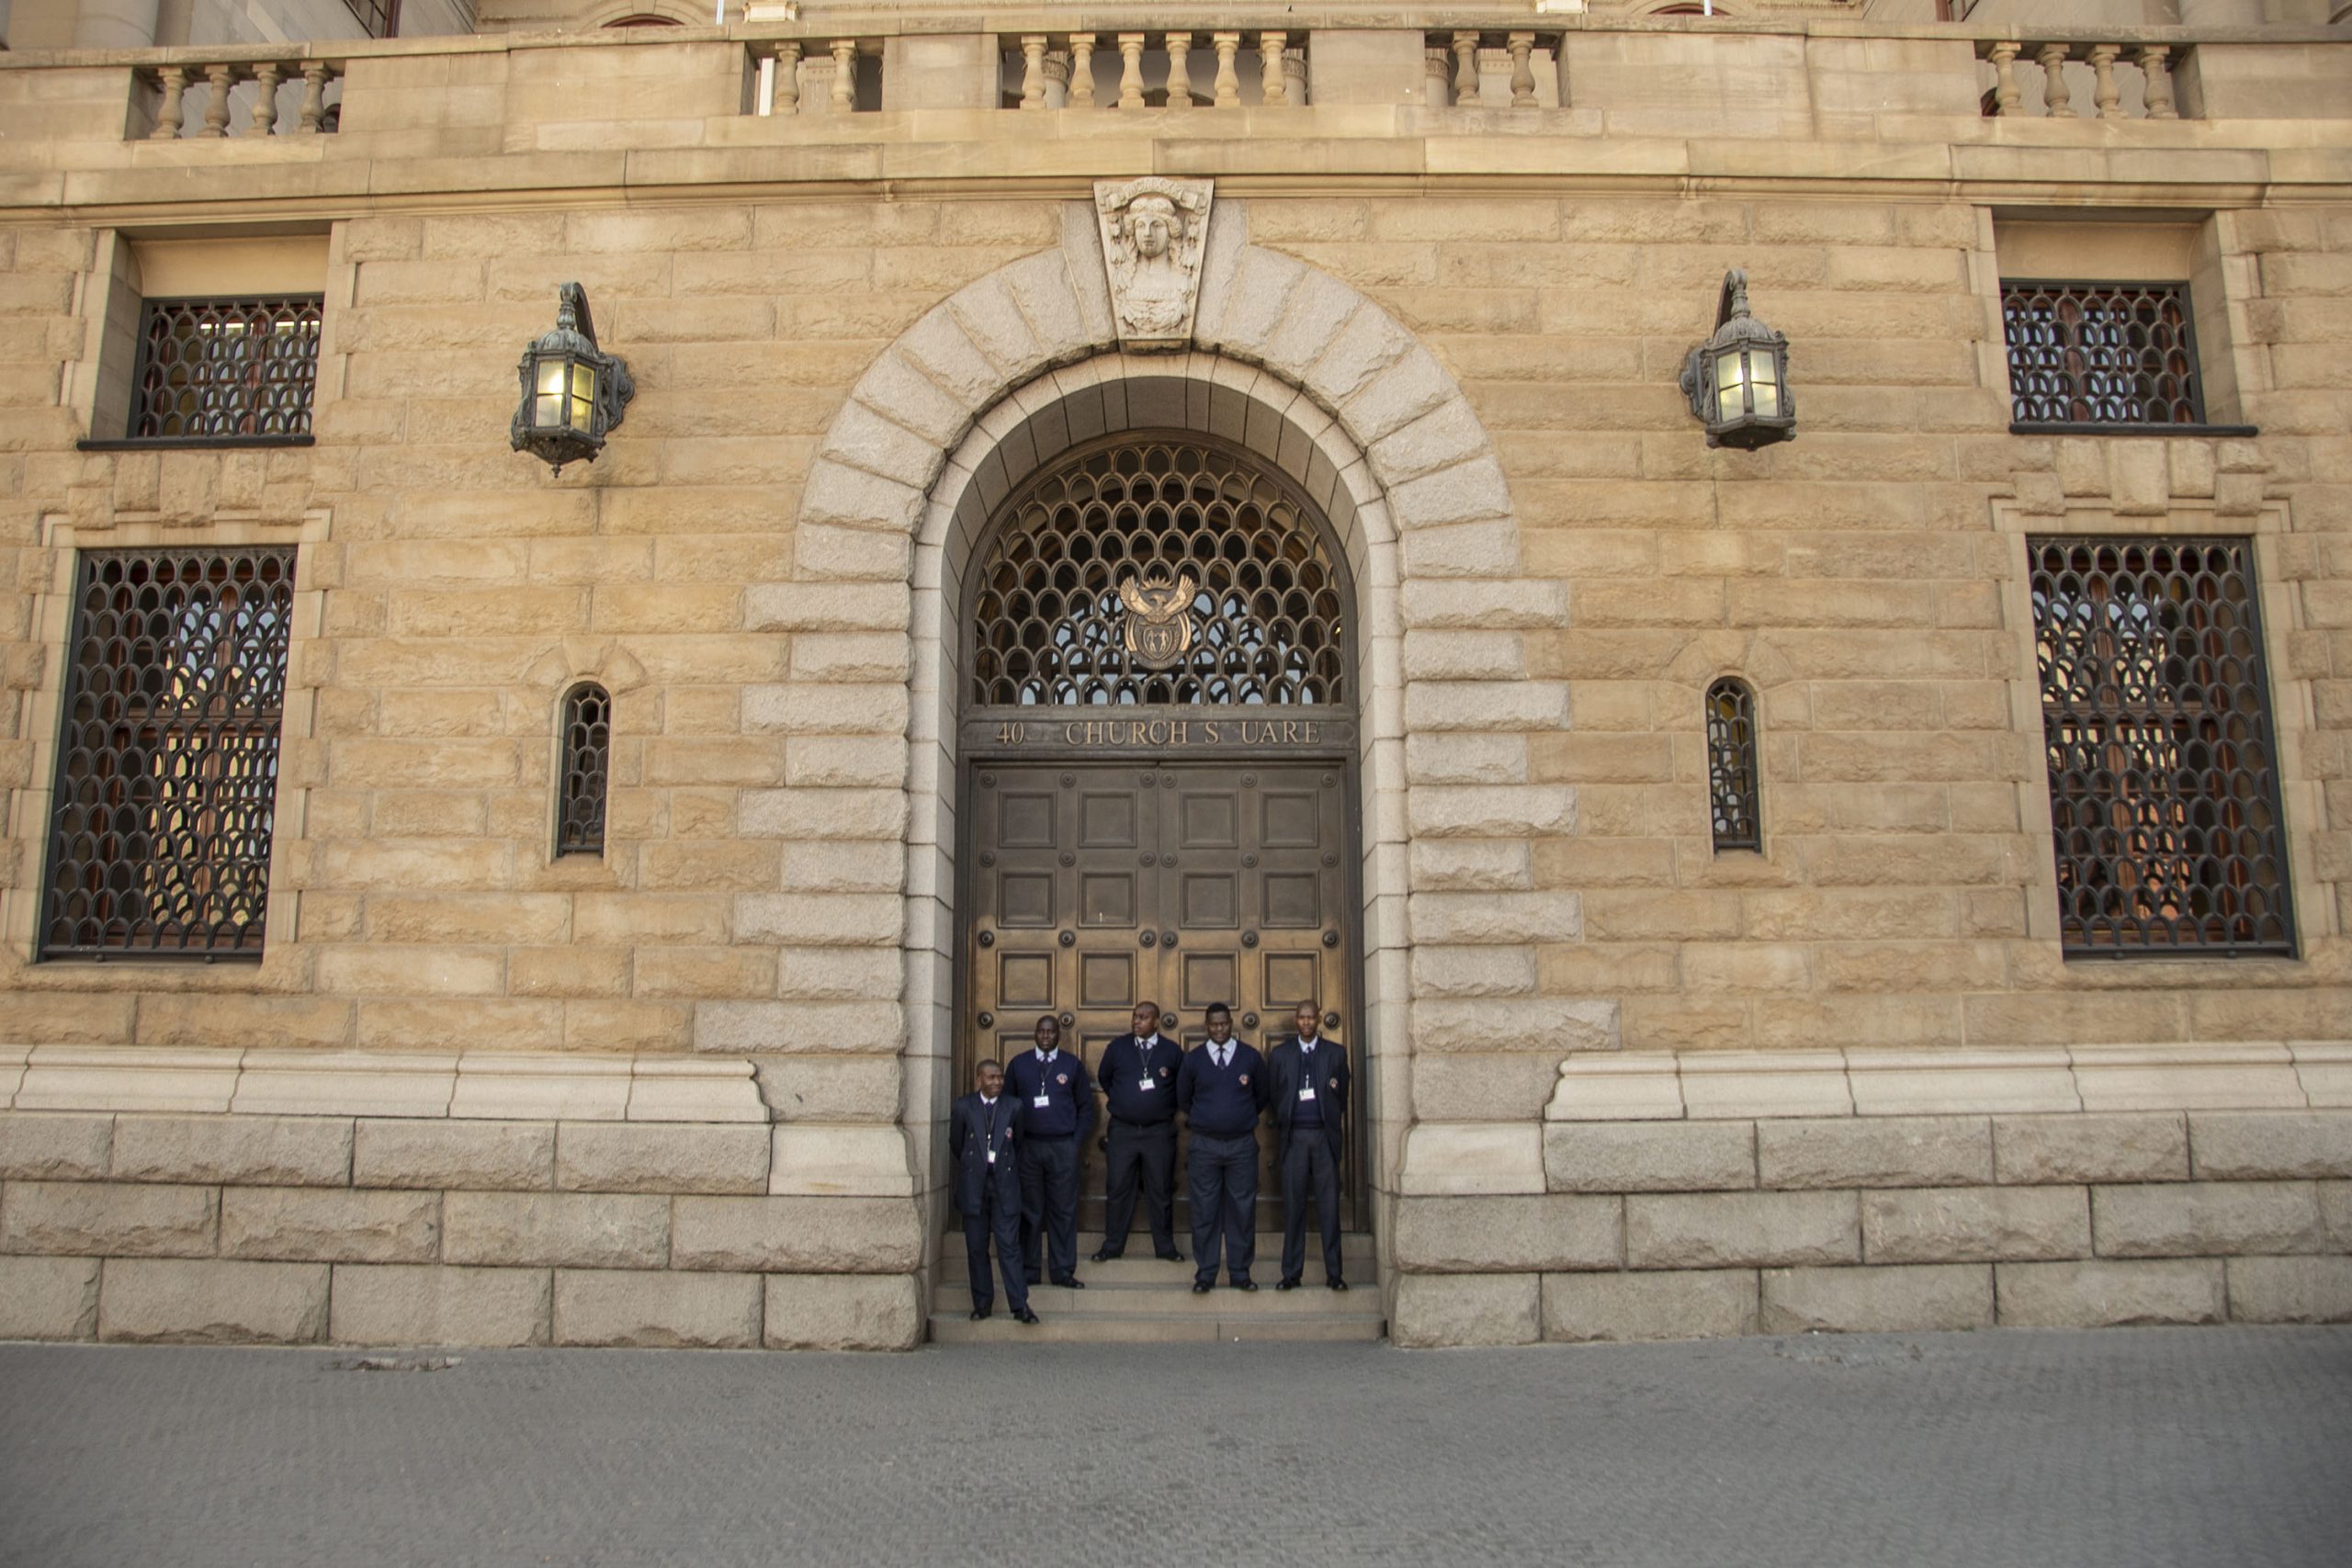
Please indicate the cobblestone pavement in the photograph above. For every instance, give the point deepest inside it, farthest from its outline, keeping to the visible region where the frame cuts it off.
(2220, 1445)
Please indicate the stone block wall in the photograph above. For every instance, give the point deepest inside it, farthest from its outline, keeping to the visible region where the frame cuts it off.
(296, 1230)
(1656, 1230)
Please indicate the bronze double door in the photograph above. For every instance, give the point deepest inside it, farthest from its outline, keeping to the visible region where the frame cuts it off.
(1093, 887)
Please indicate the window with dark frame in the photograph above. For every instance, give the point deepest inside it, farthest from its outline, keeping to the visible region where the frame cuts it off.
(1731, 766)
(226, 369)
(166, 774)
(2089, 353)
(2163, 779)
(584, 772)
(380, 17)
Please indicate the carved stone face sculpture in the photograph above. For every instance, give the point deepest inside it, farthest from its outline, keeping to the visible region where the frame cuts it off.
(1153, 226)
(1153, 234)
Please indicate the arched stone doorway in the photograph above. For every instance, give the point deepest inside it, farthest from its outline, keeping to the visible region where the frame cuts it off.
(1159, 741)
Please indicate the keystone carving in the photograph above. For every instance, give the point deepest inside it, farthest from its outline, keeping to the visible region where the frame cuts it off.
(1152, 233)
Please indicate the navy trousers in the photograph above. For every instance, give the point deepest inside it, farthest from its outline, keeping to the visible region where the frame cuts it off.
(1224, 1188)
(1310, 1171)
(1049, 1206)
(1000, 1223)
(1141, 1157)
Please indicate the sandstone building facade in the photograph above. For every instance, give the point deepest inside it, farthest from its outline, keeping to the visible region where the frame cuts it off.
(1113, 514)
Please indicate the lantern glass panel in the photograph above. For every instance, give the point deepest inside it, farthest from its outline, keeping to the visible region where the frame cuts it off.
(547, 405)
(1764, 386)
(1730, 400)
(583, 396)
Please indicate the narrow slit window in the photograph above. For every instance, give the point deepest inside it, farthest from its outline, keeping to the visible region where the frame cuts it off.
(584, 772)
(2163, 769)
(166, 773)
(1731, 766)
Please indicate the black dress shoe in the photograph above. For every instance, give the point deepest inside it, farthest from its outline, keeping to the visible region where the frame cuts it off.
(980, 1316)
(1289, 1284)
(1071, 1282)
(1170, 1257)
(1026, 1315)
(1099, 1256)
(1245, 1284)
(1202, 1286)
(1337, 1283)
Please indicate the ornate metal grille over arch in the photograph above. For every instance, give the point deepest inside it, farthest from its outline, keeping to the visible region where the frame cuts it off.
(1082, 599)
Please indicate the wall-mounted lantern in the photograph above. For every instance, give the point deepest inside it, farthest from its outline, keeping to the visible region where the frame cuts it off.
(573, 392)
(1737, 381)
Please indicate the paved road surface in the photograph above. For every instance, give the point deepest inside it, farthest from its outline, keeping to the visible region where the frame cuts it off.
(2158, 1446)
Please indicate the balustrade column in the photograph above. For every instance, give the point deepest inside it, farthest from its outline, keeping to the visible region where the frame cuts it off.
(2005, 78)
(1033, 71)
(1273, 86)
(313, 112)
(1438, 91)
(787, 79)
(2056, 101)
(1522, 71)
(1081, 71)
(173, 114)
(220, 79)
(2104, 91)
(2155, 64)
(266, 75)
(1131, 93)
(1228, 80)
(1295, 76)
(1466, 70)
(1180, 70)
(844, 74)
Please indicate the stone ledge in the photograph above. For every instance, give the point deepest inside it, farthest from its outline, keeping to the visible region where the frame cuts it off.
(470, 1085)
(1669, 1086)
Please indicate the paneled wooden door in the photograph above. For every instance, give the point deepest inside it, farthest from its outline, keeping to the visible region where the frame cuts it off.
(1092, 887)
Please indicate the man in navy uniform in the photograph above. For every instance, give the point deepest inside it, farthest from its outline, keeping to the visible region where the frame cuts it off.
(1138, 1073)
(1221, 1089)
(1308, 1078)
(987, 1192)
(1056, 1101)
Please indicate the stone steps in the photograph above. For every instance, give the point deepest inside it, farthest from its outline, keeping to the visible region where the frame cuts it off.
(1142, 1299)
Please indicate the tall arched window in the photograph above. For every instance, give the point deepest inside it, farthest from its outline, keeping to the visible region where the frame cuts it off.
(584, 769)
(1731, 766)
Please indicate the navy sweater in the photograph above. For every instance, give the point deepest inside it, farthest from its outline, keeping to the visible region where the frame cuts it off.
(1124, 1066)
(1068, 1091)
(1217, 1103)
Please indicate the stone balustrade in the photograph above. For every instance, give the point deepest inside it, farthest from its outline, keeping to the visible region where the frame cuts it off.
(1155, 68)
(1469, 68)
(828, 76)
(248, 96)
(2051, 77)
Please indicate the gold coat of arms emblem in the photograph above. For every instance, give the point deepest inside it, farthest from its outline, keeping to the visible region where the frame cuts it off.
(1159, 625)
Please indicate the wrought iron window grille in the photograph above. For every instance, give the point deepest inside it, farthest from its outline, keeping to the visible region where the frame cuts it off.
(585, 773)
(226, 371)
(2095, 354)
(1731, 766)
(1159, 570)
(2164, 774)
(166, 775)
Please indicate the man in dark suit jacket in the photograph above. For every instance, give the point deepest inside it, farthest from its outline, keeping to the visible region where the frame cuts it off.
(986, 1191)
(1308, 1078)
(1138, 1077)
(1221, 1089)
(1056, 1098)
